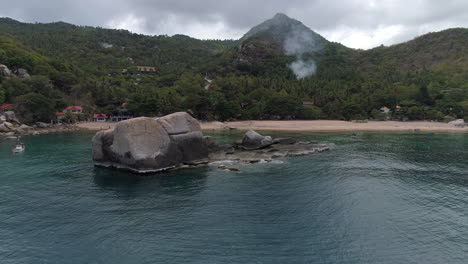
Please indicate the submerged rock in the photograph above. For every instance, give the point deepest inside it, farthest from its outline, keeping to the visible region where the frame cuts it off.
(285, 141)
(146, 145)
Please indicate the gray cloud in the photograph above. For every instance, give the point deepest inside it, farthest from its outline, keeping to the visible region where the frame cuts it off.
(355, 23)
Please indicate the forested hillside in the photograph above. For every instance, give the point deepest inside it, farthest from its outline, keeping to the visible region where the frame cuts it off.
(266, 74)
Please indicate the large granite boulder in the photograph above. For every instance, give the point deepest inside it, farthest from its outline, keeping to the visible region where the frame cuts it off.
(151, 144)
(185, 131)
(458, 123)
(11, 117)
(253, 140)
(6, 127)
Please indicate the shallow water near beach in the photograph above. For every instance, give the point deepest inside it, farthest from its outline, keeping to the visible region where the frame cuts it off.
(376, 198)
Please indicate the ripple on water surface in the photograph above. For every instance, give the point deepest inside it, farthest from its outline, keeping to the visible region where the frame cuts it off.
(376, 198)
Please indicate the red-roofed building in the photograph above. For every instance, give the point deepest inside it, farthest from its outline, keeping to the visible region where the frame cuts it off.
(100, 117)
(123, 114)
(305, 103)
(6, 107)
(74, 109)
(60, 116)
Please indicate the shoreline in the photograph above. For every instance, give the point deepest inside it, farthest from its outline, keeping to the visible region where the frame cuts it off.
(310, 126)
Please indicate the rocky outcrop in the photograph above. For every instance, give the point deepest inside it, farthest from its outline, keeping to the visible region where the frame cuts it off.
(458, 123)
(145, 144)
(285, 141)
(277, 148)
(22, 73)
(253, 140)
(11, 117)
(6, 127)
(4, 71)
(25, 127)
(42, 125)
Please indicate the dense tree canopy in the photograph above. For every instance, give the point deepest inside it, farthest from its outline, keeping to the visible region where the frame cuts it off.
(247, 79)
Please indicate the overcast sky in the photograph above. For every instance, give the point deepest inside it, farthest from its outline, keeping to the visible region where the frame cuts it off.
(354, 23)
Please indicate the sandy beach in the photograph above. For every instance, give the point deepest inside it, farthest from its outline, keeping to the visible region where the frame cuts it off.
(96, 126)
(315, 125)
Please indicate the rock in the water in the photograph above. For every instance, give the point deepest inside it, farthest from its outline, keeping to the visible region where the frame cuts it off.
(179, 123)
(185, 131)
(253, 140)
(458, 123)
(149, 145)
(42, 125)
(285, 141)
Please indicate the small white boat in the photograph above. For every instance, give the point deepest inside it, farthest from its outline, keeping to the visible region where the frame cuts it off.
(20, 147)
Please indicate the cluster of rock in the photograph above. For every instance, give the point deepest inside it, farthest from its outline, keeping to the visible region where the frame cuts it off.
(256, 148)
(458, 123)
(11, 127)
(147, 145)
(6, 73)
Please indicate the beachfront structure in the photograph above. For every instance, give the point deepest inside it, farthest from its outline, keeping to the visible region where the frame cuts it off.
(74, 109)
(122, 114)
(100, 117)
(5, 107)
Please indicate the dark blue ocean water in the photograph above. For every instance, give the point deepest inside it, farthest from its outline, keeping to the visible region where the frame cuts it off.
(376, 198)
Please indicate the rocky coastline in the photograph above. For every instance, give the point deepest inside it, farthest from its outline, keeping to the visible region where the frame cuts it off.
(12, 128)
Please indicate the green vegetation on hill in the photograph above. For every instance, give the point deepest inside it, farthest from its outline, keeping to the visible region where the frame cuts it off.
(250, 79)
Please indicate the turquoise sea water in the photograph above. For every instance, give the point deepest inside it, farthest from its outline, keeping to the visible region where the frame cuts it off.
(376, 198)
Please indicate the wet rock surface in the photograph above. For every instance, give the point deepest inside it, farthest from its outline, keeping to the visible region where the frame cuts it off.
(270, 153)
